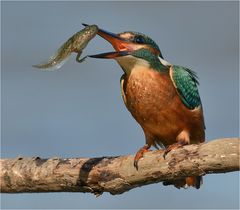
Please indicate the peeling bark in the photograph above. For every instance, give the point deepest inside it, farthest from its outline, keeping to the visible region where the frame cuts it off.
(117, 174)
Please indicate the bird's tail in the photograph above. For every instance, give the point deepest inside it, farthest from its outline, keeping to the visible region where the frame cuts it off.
(194, 181)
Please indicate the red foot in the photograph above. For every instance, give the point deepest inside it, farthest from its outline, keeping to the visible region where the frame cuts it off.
(139, 154)
(173, 146)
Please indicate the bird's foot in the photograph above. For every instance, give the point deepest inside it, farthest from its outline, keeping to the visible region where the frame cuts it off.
(139, 154)
(174, 146)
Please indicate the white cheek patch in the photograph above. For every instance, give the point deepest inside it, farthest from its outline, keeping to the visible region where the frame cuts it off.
(164, 62)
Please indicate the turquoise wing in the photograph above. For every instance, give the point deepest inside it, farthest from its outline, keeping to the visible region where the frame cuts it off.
(185, 81)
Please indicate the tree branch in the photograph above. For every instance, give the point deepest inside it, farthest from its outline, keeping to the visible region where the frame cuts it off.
(117, 174)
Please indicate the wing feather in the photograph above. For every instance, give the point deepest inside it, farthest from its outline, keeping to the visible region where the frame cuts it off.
(186, 81)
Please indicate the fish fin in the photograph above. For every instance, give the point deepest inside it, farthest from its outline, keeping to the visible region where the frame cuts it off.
(78, 57)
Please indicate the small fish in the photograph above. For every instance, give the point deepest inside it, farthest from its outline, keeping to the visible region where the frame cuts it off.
(76, 44)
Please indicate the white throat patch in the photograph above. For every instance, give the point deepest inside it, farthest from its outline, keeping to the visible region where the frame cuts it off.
(129, 62)
(164, 62)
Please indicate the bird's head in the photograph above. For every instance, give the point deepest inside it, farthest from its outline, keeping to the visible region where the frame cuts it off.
(131, 48)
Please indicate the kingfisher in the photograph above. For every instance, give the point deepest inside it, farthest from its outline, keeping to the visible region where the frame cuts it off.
(162, 97)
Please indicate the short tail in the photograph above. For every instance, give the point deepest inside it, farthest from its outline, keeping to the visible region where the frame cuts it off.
(194, 181)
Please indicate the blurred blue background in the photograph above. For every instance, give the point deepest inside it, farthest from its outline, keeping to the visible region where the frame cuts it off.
(78, 111)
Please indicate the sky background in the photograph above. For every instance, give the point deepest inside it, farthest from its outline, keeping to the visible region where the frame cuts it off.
(78, 111)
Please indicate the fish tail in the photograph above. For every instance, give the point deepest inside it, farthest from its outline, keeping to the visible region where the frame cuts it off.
(56, 61)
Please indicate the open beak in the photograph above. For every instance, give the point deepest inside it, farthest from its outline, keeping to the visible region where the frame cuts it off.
(122, 46)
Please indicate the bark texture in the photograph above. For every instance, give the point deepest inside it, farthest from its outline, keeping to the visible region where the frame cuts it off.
(117, 174)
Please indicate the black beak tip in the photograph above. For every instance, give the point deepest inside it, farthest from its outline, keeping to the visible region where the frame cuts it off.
(84, 24)
(92, 56)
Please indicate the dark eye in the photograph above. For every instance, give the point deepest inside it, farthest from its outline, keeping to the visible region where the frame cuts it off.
(139, 39)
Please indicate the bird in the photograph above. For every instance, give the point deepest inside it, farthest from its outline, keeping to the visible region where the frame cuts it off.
(162, 97)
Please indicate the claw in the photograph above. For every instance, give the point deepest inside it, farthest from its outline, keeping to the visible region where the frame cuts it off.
(139, 155)
(164, 154)
(136, 164)
(173, 146)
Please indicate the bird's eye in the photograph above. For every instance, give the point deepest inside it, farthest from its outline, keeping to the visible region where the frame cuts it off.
(139, 39)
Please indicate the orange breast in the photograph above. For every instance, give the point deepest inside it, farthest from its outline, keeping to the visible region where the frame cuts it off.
(153, 101)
